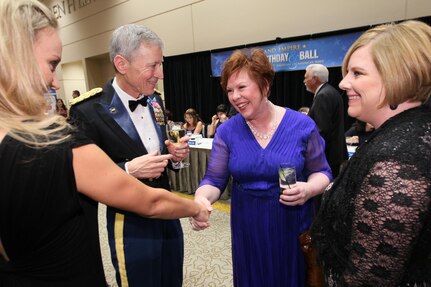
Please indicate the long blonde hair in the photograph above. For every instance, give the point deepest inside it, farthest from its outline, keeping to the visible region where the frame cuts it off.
(23, 107)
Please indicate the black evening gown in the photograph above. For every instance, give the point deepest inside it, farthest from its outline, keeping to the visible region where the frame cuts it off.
(45, 226)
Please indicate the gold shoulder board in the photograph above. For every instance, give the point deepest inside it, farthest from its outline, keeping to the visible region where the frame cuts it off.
(85, 96)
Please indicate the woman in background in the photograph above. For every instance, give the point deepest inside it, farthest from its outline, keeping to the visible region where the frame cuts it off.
(374, 225)
(48, 231)
(60, 108)
(192, 122)
(217, 119)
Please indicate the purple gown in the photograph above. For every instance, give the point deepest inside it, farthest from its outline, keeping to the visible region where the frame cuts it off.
(265, 247)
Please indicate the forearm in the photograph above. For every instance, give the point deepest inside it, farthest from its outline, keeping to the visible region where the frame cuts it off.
(210, 130)
(198, 128)
(316, 183)
(119, 190)
(209, 192)
(171, 206)
(150, 202)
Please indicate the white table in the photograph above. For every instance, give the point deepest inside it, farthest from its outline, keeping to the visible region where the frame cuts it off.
(351, 149)
(188, 179)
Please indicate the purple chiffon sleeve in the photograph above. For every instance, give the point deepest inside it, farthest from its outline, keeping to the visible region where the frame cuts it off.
(217, 173)
(315, 159)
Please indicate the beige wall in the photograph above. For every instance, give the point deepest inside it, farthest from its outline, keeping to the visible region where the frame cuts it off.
(73, 77)
(189, 26)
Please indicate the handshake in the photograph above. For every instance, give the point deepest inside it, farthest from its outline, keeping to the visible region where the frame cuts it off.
(201, 222)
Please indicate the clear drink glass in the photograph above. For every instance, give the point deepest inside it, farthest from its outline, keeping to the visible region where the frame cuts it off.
(286, 176)
(175, 131)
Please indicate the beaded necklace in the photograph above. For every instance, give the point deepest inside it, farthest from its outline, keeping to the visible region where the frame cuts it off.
(271, 132)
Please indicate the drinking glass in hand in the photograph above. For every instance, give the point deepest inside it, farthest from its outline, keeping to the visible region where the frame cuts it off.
(175, 131)
(286, 176)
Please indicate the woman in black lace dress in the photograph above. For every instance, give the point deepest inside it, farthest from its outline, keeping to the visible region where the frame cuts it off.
(374, 226)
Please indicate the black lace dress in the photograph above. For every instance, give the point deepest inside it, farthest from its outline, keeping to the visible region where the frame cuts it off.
(374, 226)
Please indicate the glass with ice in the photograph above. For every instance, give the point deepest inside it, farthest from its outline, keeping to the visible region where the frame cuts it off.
(286, 176)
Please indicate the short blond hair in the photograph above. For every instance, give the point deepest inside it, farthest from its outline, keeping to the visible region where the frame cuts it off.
(401, 53)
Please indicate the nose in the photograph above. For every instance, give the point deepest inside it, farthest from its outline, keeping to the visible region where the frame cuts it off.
(55, 85)
(159, 72)
(344, 84)
(236, 95)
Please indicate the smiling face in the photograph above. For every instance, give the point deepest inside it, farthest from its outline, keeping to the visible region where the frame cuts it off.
(47, 49)
(364, 86)
(140, 75)
(244, 94)
(60, 103)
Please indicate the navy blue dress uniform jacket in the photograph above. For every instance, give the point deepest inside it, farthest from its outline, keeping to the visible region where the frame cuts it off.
(145, 252)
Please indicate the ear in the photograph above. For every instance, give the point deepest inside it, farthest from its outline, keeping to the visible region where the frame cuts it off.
(266, 88)
(121, 64)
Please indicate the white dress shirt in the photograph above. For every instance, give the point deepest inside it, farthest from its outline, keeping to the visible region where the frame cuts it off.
(142, 120)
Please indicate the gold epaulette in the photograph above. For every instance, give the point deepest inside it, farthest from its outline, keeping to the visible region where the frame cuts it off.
(85, 96)
(157, 91)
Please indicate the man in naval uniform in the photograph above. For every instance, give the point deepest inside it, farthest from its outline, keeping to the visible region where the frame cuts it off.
(130, 127)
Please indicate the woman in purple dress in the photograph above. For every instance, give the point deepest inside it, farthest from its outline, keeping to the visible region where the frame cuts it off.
(51, 175)
(249, 147)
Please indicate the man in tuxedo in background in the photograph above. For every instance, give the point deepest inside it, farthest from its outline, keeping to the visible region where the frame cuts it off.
(127, 121)
(327, 111)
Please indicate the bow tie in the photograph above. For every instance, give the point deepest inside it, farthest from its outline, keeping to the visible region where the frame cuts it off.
(134, 104)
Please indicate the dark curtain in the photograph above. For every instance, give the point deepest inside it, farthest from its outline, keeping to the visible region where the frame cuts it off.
(288, 90)
(188, 83)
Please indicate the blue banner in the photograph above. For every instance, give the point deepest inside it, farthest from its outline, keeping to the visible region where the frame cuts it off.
(328, 51)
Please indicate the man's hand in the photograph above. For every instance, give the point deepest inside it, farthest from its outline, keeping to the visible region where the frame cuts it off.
(178, 152)
(150, 165)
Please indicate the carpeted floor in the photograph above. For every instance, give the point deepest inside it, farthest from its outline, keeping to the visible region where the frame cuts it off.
(207, 253)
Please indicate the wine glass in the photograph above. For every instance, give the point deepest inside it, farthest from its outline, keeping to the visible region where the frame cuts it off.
(175, 131)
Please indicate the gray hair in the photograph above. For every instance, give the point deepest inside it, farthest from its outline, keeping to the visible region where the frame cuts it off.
(319, 71)
(127, 39)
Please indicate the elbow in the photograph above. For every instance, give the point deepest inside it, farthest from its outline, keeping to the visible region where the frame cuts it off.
(153, 212)
(158, 209)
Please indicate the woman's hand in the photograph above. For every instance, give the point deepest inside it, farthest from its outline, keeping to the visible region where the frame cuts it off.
(298, 194)
(214, 118)
(303, 191)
